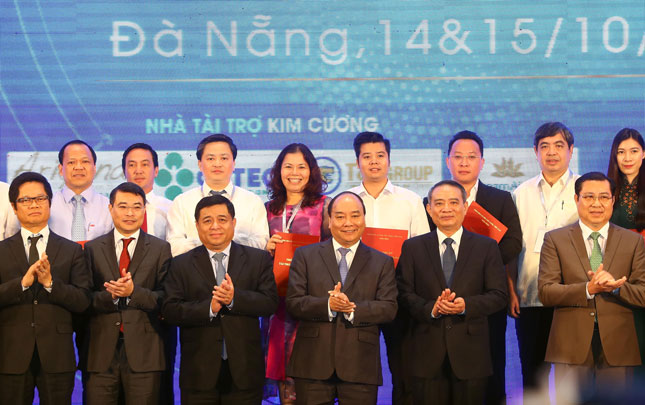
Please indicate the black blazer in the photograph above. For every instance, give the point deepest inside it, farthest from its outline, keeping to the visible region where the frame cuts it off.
(478, 277)
(500, 204)
(321, 346)
(140, 317)
(35, 316)
(189, 287)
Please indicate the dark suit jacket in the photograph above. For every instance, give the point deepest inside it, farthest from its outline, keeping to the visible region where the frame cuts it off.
(322, 347)
(189, 287)
(35, 316)
(500, 204)
(478, 277)
(564, 264)
(140, 317)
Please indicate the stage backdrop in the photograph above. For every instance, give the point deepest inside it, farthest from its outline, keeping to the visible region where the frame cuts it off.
(269, 73)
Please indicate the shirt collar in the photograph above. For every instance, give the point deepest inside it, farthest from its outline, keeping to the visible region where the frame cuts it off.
(226, 251)
(68, 194)
(118, 236)
(473, 192)
(25, 234)
(562, 180)
(338, 245)
(455, 236)
(389, 189)
(586, 231)
(206, 189)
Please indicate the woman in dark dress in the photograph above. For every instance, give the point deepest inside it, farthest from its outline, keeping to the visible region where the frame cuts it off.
(627, 170)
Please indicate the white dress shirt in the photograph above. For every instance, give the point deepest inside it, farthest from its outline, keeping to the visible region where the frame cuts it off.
(349, 258)
(473, 193)
(41, 246)
(456, 237)
(157, 215)
(118, 243)
(252, 228)
(541, 208)
(98, 220)
(9, 224)
(394, 208)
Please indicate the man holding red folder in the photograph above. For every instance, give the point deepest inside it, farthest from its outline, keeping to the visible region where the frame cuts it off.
(465, 161)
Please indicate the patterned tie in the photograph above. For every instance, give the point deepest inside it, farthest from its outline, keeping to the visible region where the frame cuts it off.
(213, 192)
(33, 251)
(342, 265)
(78, 222)
(596, 254)
(448, 260)
(220, 272)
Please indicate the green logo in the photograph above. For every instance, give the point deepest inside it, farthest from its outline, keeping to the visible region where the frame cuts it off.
(183, 177)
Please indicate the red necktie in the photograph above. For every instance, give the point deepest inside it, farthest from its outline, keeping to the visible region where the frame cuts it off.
(124, 263)
(144, 226)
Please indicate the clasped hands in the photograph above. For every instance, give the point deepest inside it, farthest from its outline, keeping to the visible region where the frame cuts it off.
(222, 294)
(448, 304)
(338, 301)
(41, 271)
(121, 288)
(602, 281)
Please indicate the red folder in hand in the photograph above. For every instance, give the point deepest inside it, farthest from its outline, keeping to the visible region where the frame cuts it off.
(480, 221)
(284, 254)
(388, 241)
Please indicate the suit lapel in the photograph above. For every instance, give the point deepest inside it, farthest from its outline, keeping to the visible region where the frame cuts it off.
(53, 247)
(236, 262)
(18, 250)
(611, 247)
(465, 247)
(329, 258)
(108, 249)
(432, 246)
(140, 252)
(203, 265)
(359, 261)
(579, 244)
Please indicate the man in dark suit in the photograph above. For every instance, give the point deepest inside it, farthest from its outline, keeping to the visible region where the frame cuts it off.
(465, 161)
(215, 294)
(340, 290)
(43, 280)
(593, 273)
(450, 280)
(126, 352)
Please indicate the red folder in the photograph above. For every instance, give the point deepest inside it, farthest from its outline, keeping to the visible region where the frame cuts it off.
(480, 221)
(284, 254)
(388, 241)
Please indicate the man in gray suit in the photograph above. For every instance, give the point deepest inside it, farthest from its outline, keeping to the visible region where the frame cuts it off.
(340, 290)
(126, 352)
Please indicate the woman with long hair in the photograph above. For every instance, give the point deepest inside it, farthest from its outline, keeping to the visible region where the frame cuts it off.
(627, 170)
(296, 205)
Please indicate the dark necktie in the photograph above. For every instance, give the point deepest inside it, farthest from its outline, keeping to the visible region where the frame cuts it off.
(342, 265)
(448, 260)
(220, 272)
(33, 251)
(213, 192)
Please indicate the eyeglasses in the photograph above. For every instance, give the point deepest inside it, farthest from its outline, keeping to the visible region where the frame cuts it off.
(467, 158)
(605, 199)
(125, 208)
(28, 200)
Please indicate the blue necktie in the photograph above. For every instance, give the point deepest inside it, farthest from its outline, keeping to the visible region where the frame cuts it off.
(78, 222)
(342, 265)
(448, 260)
(220, 272)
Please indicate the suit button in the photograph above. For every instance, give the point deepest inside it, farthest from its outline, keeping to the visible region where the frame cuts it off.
(593, 314)
(33, 325)
(118, 324)
(35, 302)
(448, 326)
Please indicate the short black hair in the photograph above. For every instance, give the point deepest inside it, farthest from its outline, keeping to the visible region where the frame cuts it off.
(216, 138)
(594, 176)
(550, 129)
(61, 152)
(128, 187)
(211, 200)
(452, 183)
(28, 177)
(467, 135)
(333, 200)
(370, 137)
(140, 145)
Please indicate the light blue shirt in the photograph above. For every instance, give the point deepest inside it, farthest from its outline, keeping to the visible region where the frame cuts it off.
(98, 220)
